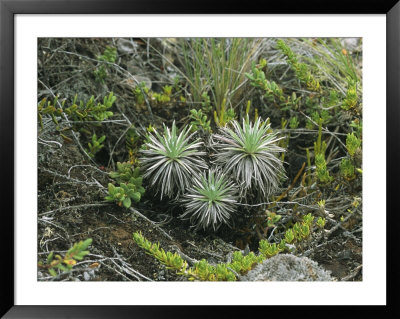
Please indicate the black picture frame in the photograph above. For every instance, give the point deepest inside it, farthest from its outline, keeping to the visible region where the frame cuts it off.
(8, 10)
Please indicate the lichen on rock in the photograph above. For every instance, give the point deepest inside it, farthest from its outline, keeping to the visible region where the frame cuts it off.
(286, 267)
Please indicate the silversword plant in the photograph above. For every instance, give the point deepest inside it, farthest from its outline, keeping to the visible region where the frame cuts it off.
(250, 154)
(170, 160)
(211, 201)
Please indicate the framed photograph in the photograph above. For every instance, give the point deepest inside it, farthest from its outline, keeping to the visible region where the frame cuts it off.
(166, 158)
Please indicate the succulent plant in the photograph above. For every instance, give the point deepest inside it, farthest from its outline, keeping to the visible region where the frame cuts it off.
(249, 153)
(170, 160)
(211, 201)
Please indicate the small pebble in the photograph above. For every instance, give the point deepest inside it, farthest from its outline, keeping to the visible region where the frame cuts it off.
(86, 276)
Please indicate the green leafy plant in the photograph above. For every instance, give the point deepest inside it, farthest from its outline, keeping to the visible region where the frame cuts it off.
(347, 169)
(301, 69)
(211, 201)
(100, 74)
(321, 222)
(109, 55)
(302, 230)
(130, 185)
(199, 119)
(167, 90)
(49, 108)
(225, 115)
(322, 116)
(132, 144)
(240, 263)
(126, 173)
(82, 117)
(357, 126)
(289, 236)
(292, 102)
(250, 154)
(351, 98)
(164, 96)
(273, 92)
(272, 219)
(170, 160)
(321, 203)
(353, 143)
(203, 271)
(332, 100)
(320, 162)
(65, 263)
(170, 260)
(268, 250)
(321, 169)
(123, 195)
(96, 145)
(140, 92)
(157, 99)
(293, 123)
(206, 103)
(90, 111)
(308, 219)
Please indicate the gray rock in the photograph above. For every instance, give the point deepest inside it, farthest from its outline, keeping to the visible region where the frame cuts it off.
(126, 46)
(352, 44)
(86, 276)
(286, 267)
(137, 76)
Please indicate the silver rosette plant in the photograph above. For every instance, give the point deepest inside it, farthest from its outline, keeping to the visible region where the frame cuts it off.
(171, 160)
(249, 152)
(211, 201)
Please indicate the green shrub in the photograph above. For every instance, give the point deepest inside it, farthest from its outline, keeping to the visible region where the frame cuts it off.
(347, 169)
(90, 111)
(199, 120)
(109, 55)
(301, 69)
(65, 263)
(273, 92)
(353, 143)
(87, 112)
(96, 145)
(130, 185)
(239, 265)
